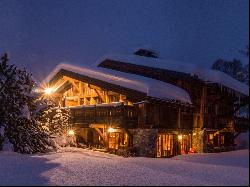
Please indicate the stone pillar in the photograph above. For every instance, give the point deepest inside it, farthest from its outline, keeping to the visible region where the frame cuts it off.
(198, 140)
(144, 142)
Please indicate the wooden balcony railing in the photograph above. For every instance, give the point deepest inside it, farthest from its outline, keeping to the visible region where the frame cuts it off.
(104, 113)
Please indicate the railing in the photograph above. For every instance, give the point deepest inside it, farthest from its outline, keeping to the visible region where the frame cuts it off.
(104, 113)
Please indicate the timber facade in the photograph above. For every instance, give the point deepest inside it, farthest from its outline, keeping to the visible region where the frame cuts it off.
(120, 118)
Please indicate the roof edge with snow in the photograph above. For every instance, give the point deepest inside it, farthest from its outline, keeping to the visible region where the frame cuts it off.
(151, 87)
(206, 75)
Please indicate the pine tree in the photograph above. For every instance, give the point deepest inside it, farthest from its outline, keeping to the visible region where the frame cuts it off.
(233, 68)
(20, 111)
(57, 120)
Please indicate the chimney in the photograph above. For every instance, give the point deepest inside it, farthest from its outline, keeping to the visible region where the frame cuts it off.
(146, 52)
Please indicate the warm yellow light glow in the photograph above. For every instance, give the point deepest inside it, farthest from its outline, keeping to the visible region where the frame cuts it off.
(48, 91)
(71, 133)
(111, 129)
(180, 137)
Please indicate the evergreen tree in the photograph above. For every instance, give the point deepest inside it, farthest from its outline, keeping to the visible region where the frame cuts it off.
(57, 120)
(20, 111)
(233, 68)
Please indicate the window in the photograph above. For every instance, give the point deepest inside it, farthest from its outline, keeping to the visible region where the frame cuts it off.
(222, 139)
(117, 139)
(210, 138)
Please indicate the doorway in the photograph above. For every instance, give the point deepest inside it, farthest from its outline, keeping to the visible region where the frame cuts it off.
(165, 145)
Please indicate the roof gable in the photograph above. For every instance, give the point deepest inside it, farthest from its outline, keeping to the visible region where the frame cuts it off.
(150, 87)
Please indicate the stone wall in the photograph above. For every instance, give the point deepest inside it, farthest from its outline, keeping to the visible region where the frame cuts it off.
(144, 142)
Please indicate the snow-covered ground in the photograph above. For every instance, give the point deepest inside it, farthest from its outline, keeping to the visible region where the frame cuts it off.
(73, 166)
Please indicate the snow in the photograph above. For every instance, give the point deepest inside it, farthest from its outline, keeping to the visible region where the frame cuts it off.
(82, 106)
(209, 75)
(7, 146)
(74, 166)
(102, 104)
(25, 112)
(151, 87)
(110, 104)
(242, 140)
(243, 112)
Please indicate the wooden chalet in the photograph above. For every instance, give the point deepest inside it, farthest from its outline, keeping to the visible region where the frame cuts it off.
(143, 103)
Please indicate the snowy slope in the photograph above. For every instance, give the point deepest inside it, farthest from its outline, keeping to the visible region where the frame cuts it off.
(209, 75)
(151, 87)
(74, 166)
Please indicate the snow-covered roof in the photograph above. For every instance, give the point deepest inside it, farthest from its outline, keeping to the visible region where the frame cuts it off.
(204, 74)
(151, 87)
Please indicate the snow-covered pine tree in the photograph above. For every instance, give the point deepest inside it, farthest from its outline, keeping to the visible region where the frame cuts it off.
(7, 79)
(19, 111)
(57, 120)
(234, 68)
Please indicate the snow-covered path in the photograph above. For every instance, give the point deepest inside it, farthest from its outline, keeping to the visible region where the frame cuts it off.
(74, 166)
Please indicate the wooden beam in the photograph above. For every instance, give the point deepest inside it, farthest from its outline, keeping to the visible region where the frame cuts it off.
(97, 125)
(74, 84)
(202, 106)
(99, 132)
(100, 95)
(179, 117)
(106, 97)
(72, 81)
(59, 83)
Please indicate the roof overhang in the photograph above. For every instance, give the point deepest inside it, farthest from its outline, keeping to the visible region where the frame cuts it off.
(137, 88)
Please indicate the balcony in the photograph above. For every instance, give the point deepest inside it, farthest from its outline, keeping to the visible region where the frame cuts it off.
(116, 114)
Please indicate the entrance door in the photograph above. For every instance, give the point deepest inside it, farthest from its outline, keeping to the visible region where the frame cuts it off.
(185, 143)
(165, 145)
(113, 140)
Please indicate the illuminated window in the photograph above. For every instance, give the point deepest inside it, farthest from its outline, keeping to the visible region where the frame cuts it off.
(210, 138)
(222, 139)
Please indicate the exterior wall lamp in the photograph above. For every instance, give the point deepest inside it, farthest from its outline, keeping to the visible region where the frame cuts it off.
(110, 129)
(48, 91)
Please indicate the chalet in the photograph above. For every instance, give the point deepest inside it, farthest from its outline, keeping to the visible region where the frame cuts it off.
(156, 107)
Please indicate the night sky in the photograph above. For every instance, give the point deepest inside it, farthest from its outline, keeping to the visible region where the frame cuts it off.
(39, 34)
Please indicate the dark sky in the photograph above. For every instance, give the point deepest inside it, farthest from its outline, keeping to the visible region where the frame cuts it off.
(39, 34)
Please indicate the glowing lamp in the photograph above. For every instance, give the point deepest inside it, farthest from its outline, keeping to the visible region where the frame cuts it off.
(48, 91)
(180, 137)
(71, 133)
(111, 129)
